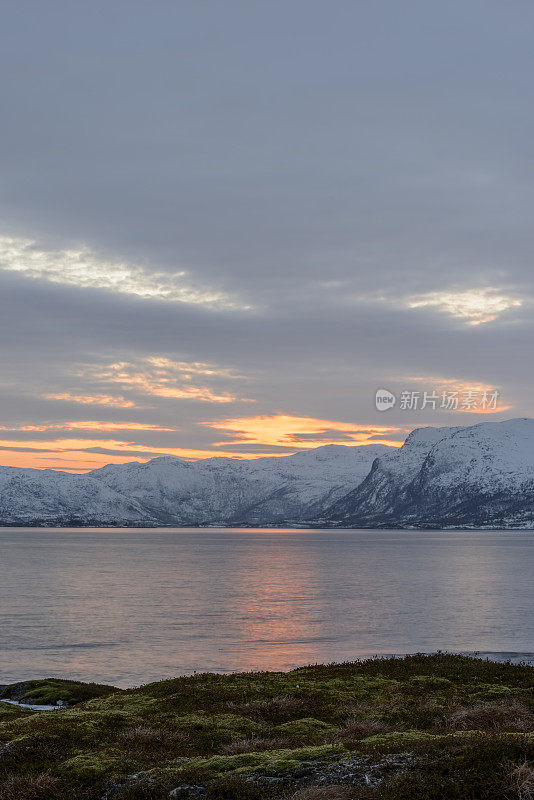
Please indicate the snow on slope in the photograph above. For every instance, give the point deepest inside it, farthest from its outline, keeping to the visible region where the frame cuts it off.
(481, 475)
(30, 496)
(377, 496)
(264, 490)
(475, 476)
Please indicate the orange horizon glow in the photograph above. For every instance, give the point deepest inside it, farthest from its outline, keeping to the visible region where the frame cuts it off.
(73, 452)
(285, 434)
(284, 430)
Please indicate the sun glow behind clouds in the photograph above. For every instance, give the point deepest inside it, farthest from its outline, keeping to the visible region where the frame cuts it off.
(83, 268)
(255, 437)
(162, 377)
(284, 430)
(475, 306)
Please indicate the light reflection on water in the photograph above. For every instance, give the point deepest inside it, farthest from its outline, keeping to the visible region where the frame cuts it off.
(130, 606)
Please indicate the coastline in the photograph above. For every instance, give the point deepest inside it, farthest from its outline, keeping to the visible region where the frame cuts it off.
(392, 728)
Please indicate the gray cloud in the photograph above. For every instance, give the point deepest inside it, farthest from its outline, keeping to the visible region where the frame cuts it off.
(323, 164)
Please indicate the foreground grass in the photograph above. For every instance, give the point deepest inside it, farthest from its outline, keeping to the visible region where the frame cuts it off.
(427, 727)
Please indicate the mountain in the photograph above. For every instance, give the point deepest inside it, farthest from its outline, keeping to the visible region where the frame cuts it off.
(231, 491)
(48, 497)
(476, 476)
(172, 491)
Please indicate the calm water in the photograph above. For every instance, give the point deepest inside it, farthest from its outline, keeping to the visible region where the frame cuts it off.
(131, 606)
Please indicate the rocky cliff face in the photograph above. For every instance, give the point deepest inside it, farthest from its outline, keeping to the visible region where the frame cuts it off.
(479, 476)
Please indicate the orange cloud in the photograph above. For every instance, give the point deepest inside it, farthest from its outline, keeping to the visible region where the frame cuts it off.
(87, 425)
(93, 399)
(161, 377)
(284, 430)
(277, 431)
(73, 455)
(462, 387)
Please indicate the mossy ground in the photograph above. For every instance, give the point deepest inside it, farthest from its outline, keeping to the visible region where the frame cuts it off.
(50, 690)
(466, 724)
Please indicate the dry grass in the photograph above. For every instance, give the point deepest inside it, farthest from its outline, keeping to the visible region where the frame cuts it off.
(522, 780)
(253, 745)
(494, 716)
(28, 787)
(280, 708)
(355, 711)
(142, 736)
(323, 793)
(359, 728)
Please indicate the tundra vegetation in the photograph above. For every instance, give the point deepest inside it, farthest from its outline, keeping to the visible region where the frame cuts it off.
(439, 727)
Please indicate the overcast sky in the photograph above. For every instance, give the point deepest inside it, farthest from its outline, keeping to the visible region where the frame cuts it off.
(225, 225)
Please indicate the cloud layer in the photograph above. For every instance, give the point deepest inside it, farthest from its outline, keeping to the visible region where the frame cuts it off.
(224, 226)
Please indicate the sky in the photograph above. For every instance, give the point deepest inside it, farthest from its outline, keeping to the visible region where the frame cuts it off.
(225, 226)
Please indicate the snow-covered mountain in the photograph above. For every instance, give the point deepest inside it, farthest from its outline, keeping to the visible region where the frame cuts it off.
(476, 476)
(172, 491)
(230, 491)
(47, 497)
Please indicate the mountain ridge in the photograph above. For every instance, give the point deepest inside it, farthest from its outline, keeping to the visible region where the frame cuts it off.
(471, 476)
(172, 491)
(474, 476)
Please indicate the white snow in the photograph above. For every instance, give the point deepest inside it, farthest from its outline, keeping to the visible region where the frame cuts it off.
(479, 468)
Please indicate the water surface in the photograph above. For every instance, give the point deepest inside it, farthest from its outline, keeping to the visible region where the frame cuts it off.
(131, 606)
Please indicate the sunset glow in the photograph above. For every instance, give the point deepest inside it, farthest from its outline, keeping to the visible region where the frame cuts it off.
(283, 430)
(162, 377)
(97, 399)
(251, 438)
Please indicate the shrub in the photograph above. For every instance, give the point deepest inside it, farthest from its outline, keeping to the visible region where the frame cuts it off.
(234, 789)
(324, 793)
(511, 716)
(28, 787)
(253, 745)
(522, 780)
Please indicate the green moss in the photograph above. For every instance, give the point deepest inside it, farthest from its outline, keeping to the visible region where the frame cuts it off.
(269, 761)
(404, 740)
(50, 690)
(397, 738)
(176, 731)
(9, 712)
(431, 682)
(47, 694)
(492, 691)
(225, 726)
(306, 730)
(134, 706)
(71, 726)
(89, 766)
